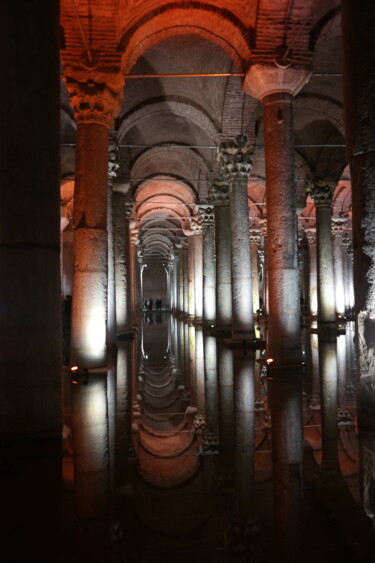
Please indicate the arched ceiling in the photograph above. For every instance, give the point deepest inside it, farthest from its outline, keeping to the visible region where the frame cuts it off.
(168, 127)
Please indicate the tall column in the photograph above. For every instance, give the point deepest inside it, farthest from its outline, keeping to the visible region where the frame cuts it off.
(209, 266)
(220, 198)
(338, 230)
(185, 275)
(94, 114)
(236, 161)
(196, 225)
(348, 275)
(111, 320)
(358, 28)
(254, 248)
(275, 87)
(133, 268)
(321, 191)
(209, 317)
(313, 277)
(30, 320)
(191, 277)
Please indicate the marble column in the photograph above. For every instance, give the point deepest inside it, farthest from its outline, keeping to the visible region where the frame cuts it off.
(254, 249)
(275, 87)
(321, 190)
(89, 321)
(220, 198)
(30, 320)
(235, 158)
(209, 317)
(111, 321)
(313, 278)
(191, 277)
(196, 225)
(338, 230)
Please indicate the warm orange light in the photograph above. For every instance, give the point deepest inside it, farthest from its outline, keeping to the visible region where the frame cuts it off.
(74, 368)
(269, 361)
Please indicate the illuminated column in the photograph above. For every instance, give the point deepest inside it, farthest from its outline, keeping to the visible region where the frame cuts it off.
(321, 191)
(191, 277)
(275, 86)
(348, 274)
(186, 275)
(359, 102)
(196, 225)
(133, 266)
(338, 229)
(254, 248)
(262, 254)
(313, 277)
(111, 321)
(220, 198)
(30, 320)
(89, 315)
(236, 161)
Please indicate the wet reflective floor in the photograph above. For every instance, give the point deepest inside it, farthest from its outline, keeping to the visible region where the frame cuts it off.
(179, 494)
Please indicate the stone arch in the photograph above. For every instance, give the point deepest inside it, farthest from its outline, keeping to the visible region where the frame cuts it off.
(218, 25)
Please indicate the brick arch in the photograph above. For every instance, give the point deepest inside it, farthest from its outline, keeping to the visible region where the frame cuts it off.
(220, 26)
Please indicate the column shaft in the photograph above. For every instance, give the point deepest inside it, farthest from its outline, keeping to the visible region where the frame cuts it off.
(30, 320)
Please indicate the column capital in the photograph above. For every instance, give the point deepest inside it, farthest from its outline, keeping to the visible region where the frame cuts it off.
(255, 236)
(206, 212)
(94, 102)
(338, 225)
(235, 157)
(262, 79)
(311, 235)
(321, 191)
(196, 224)
(263, 227)
(219, 192)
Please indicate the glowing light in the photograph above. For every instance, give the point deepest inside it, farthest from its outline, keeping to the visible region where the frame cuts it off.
(269, 361)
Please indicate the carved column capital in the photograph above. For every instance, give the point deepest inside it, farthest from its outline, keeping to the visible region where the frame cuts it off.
(206, 213)
(338, 225)
(235, 157)
(311, 235)
(196, 224)
(93, 102)
(219, 192)
(263, 227)
(321, 191)
(255, 236)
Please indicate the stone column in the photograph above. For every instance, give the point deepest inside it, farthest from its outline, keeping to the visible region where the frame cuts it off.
(209, 266)
(196, 225)
(262, 255)
(254, 249)
(209, 317)
(338, 230)
(111, 321)
(30, 320)
(313, 277)
(95, 109)
(236, 161)
(133, 268)
(321, 191)
(186, 276)
(275, 86)
(220, 198)
(348, 275)
(191, 277)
